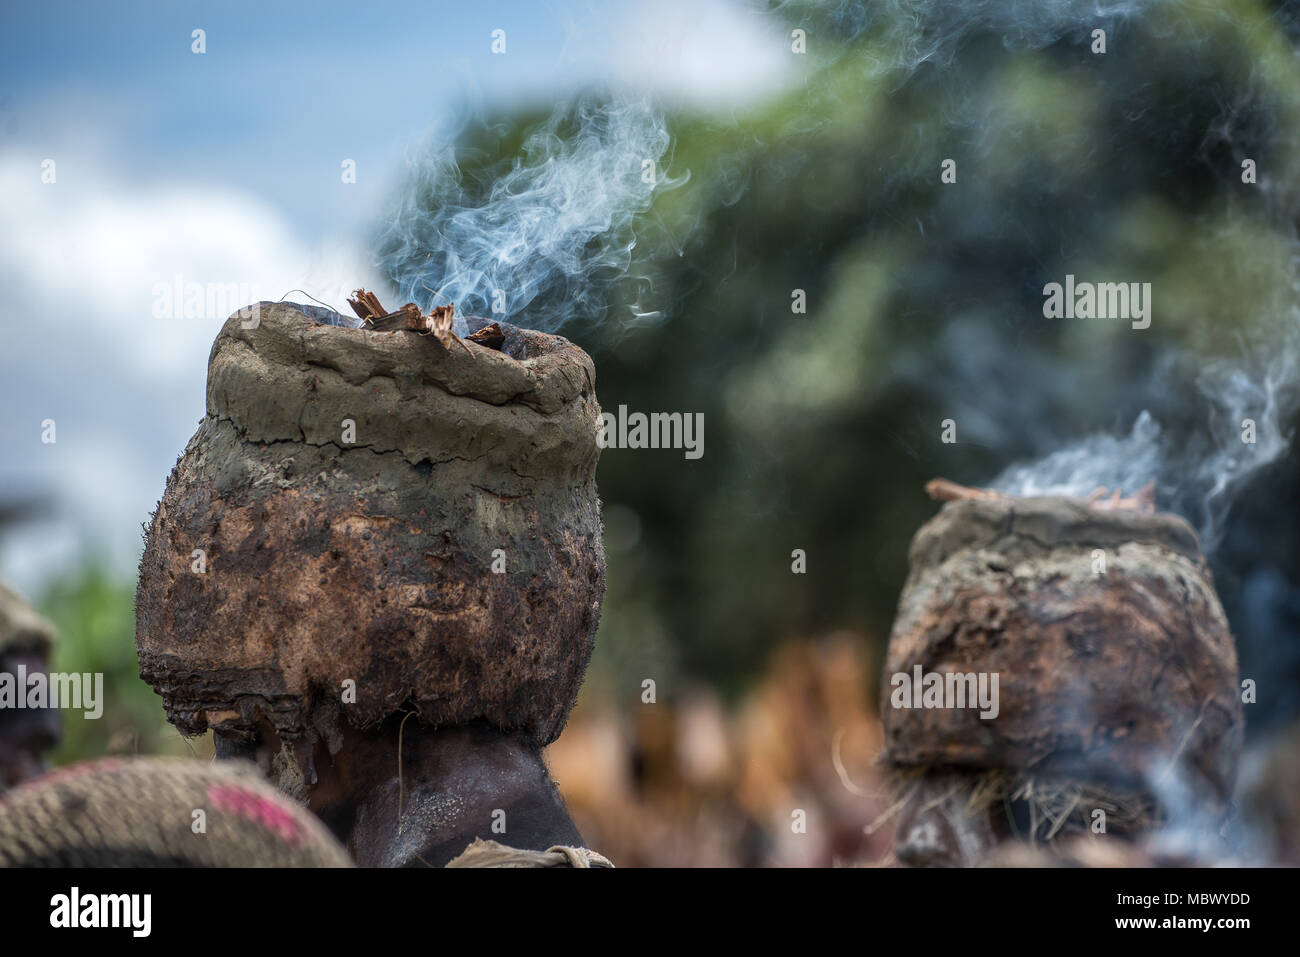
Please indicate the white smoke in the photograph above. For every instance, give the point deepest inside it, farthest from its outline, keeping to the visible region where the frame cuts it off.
(1100, 460)
(913, 32)
(550, 229)
(544, 237)
(1245, 410)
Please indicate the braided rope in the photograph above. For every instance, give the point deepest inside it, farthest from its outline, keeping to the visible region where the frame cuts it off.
(491, 854)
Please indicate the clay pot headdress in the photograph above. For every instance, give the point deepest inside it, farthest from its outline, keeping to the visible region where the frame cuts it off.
(1113, 654)
(381, 508)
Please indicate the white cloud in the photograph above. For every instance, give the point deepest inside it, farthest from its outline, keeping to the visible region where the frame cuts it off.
(80, 261)
(714, 53)
(90, 250)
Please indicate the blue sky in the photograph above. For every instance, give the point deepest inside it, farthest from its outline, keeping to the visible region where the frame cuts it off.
(224, 168)
(288, 89)
(284, 92)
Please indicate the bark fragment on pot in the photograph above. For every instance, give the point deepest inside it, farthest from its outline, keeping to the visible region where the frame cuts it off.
(348, 491)
(1114, 659)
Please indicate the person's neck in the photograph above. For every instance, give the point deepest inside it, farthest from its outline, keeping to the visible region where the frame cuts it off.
(455, 784)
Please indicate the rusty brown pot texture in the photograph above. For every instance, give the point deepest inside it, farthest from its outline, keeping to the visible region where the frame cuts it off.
(335, 521)
(1121, 673)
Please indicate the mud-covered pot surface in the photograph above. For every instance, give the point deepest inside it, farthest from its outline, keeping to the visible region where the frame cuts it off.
(375, 511)
(1114, 659)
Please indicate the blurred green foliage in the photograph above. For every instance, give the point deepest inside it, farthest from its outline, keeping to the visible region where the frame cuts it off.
(924, 300)
(93, 610)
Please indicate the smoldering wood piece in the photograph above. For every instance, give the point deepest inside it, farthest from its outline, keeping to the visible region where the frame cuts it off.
(943, 490)
(366, 305)
(491, 336)
(360, 308)
(1143, 500)
(406, 318)
(441, 319)
(440, 322)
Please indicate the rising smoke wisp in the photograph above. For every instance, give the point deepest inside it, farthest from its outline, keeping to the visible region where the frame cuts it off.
(1246, 405)
(538, 238)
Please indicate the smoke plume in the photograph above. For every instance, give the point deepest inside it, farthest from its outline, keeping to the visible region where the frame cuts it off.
(1245, 411)
(540, 236)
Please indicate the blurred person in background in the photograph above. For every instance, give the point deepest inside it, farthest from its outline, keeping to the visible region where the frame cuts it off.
(26, 734)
